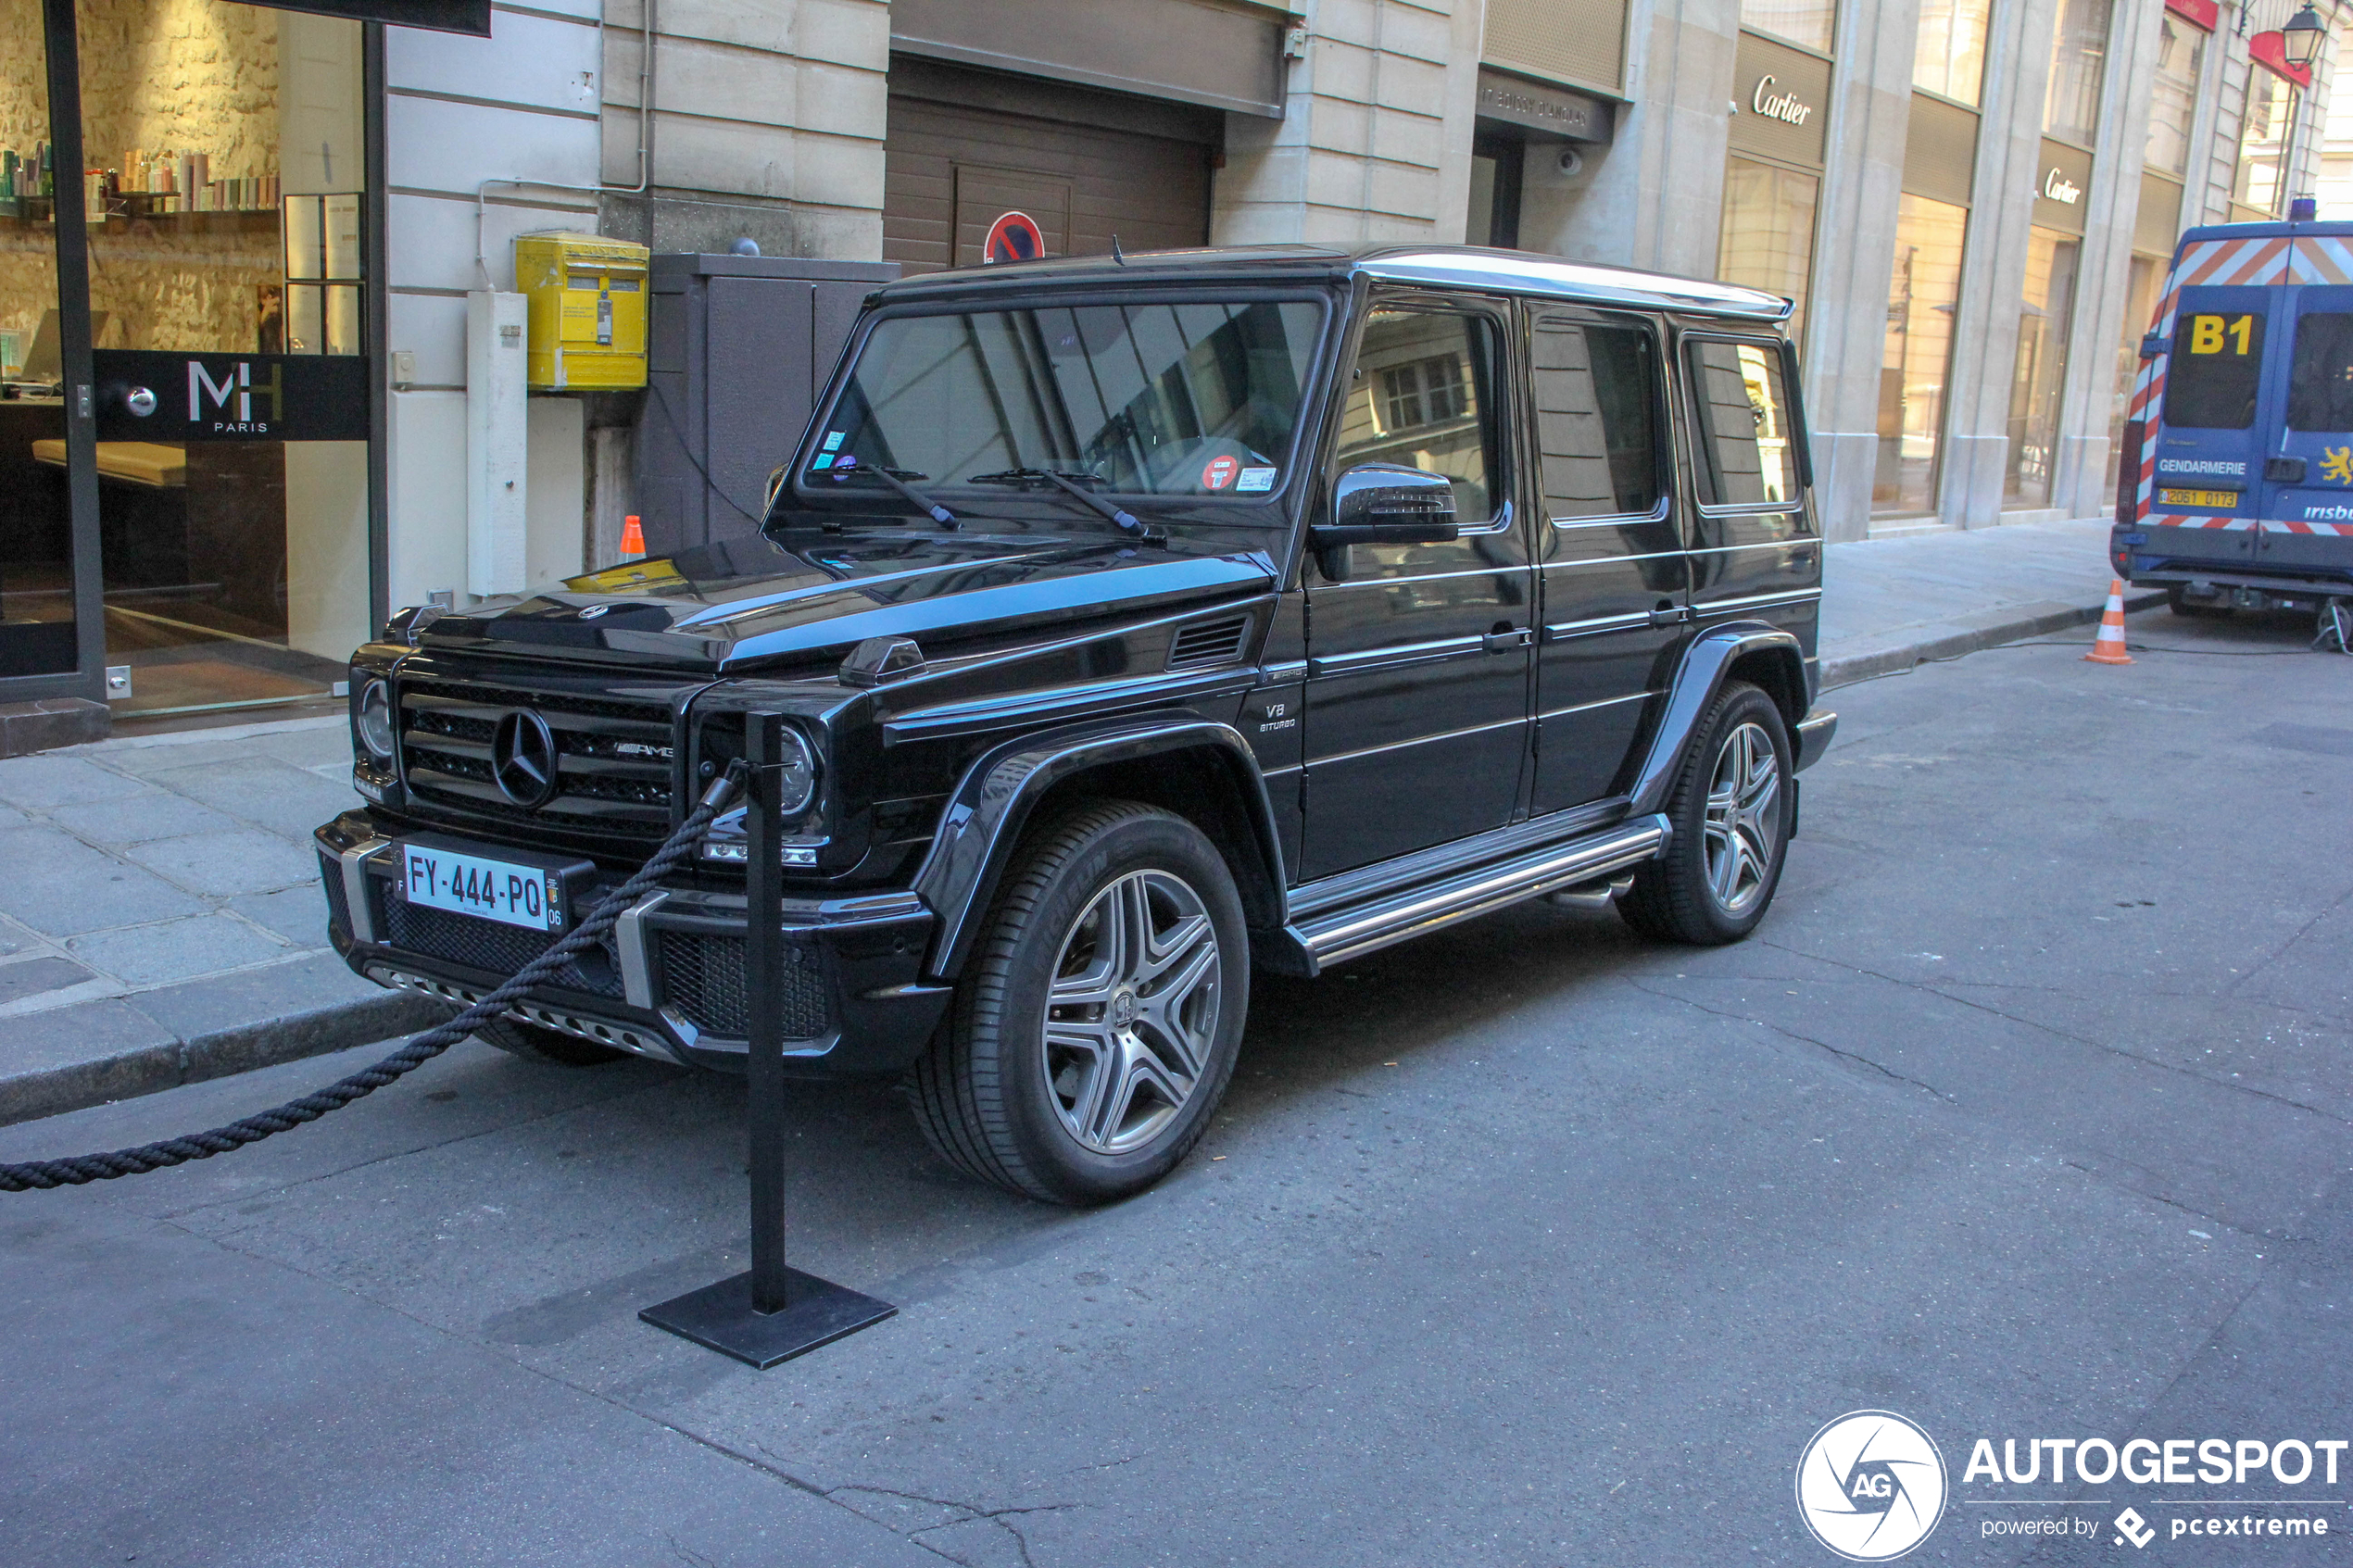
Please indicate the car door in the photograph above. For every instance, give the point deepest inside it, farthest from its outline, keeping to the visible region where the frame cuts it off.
(1610, 564)
(2210, 447)
(2307, 485)
(1756, 554)
(1418, 690)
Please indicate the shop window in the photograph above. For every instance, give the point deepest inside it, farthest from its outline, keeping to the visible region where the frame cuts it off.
(226, 193)
(1747, 457)
(1767, 241)
(2079, 67)
(2270, 112)
(1811, 22)
(1922, 296)
(1949, 58)
(1597, 420)
(2181, 58)
(37, 634)
(2040, 373)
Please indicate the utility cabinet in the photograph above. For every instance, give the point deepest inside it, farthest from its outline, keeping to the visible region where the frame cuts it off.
(740, 347)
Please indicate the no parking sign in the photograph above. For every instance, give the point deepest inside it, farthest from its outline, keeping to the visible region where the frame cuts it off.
(1015, 236)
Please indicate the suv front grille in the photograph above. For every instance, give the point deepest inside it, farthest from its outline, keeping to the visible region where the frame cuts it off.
(703, 978)
(492, 946)
(613, 765)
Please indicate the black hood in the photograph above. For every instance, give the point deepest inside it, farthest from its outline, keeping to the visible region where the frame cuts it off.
(746, 604)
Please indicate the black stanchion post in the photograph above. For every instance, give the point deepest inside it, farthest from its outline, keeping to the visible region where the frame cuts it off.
(770, 1312)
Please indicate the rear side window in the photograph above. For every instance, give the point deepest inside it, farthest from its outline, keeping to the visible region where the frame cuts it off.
(2319, 394)
(2217, 362)
(1596, 418)
(1746, 454)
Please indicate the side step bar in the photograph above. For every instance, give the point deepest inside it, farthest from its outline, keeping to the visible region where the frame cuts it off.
(1327, 938)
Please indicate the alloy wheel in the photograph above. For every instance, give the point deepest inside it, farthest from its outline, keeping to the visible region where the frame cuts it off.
(1743, 823)
(1132, 1015)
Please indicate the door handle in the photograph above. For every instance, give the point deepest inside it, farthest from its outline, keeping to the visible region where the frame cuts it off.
(1668, 615)
(1503, 639)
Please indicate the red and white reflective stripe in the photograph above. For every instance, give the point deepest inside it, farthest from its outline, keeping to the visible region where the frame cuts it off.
(2234, 263)
(2323, 259)
(2148, 393)
(2266, 525)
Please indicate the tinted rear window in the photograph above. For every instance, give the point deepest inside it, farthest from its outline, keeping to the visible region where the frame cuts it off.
(2319, 394)
(2217, 361)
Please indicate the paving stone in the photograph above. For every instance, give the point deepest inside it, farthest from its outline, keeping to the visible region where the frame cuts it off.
(59, 886)
(287, 800)
(159, 814)
(31, 977)
(298, 914)
(12, 818)
(174, 949)
(240, 861)
(43, 782)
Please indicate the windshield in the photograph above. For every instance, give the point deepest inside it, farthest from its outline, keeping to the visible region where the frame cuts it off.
(1170, 399)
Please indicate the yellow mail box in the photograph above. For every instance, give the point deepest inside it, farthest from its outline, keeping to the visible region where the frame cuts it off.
(588, 310)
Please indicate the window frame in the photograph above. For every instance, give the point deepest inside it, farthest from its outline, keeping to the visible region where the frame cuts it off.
(1801, 454)
(1509, 373)
(1662, 414)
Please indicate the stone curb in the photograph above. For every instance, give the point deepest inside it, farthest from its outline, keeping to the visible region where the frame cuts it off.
(1891, 653)
(135, 1066)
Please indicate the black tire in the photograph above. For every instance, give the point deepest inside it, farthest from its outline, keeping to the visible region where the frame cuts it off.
(2176, 601)
(1674, 898)
(1002, 1099)
(535, 1041)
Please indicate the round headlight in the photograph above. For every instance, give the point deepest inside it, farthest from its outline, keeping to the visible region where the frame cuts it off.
(796, 780)
(374, 722)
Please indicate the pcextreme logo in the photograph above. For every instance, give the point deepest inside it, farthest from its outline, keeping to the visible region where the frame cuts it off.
(1871, 1486)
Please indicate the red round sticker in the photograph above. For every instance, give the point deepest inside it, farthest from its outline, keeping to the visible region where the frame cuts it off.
(1015, 236)
(1219, 473)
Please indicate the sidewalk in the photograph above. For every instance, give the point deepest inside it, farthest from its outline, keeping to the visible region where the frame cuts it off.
(161, 923)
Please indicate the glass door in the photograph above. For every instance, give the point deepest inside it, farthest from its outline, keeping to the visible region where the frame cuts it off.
(224, 153)
(37, 626)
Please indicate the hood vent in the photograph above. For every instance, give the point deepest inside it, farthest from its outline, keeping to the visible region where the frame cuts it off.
(1211, 642)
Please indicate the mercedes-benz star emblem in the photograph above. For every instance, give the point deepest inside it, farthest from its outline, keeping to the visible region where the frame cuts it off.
(593, 612)
(523, 758)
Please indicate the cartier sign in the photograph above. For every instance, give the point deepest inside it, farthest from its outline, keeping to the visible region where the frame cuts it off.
(1782, 106)
(2059, 188)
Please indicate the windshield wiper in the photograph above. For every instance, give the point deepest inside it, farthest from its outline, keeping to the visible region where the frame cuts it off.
(939, 514)
(1127, 521)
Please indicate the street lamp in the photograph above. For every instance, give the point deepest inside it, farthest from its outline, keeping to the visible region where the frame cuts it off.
(2301, 39)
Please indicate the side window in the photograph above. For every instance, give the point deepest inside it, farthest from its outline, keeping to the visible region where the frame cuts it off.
(2211, 374)
(1745, 435)
(1422, 396)
(1597, 390)
(2320, 392)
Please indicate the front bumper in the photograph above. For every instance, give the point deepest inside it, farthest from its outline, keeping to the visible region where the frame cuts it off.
(668, 982)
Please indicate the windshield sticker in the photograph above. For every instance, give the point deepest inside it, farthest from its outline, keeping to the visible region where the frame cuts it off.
(1219, 473)
(848, 460)
(821, 460)
(833, 440)
(1258, 480)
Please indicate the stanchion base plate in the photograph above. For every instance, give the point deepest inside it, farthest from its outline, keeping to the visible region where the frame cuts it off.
(720, 1317)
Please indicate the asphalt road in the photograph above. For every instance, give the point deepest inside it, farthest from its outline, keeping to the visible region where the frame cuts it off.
(2026, 1115)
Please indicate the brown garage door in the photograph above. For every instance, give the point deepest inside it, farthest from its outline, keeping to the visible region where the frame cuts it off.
(965, 146)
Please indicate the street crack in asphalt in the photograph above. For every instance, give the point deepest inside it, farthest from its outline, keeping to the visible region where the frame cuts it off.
(1859, 1059)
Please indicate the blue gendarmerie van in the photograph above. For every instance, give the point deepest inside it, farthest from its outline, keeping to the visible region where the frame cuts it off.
(2236, 489)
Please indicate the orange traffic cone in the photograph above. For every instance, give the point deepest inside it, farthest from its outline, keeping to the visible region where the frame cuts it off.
(633, 537)
(2109, 647)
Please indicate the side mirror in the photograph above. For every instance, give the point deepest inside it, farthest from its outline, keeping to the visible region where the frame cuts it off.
(1388, 503)
(2152, 346)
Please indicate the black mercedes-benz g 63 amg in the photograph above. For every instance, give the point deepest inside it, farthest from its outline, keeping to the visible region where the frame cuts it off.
(1138, 621)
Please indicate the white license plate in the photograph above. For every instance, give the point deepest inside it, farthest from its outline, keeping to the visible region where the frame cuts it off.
(469, 885)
